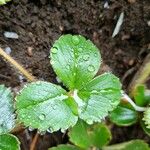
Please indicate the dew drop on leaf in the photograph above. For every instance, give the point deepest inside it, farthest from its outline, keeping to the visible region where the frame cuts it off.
(86, 57)
(91, 68)
(75, 40)
(89, 121)
(54, 50)
(49, 130)
(30, 129)
(80, 49)
(42, 117)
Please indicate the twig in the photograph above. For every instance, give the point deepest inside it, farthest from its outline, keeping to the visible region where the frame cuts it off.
(34, 141)
(141, 76)
(17, 65)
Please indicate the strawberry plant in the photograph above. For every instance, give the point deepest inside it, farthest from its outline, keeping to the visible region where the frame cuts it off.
(46, 106)
(79, 106)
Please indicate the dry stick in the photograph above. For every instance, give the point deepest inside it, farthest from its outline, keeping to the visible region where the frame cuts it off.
(31, 78)
(17, 65)
(34, 141)
(141, 76)
(23, 71)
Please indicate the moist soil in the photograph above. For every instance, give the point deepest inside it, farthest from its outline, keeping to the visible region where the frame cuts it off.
(40, 22)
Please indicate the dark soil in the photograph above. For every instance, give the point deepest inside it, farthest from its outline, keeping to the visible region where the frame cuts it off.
(40, 22)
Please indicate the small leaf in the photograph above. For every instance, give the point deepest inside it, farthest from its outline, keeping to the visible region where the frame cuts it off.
(85, 136)
(64, 147)
(101, 135)
(146, 117)
(43, 105)
(9, 142)
(101, 96)
(79, 135)
(75, 60)
(123, 116)
(131, 145)
(7, 117)
(146, 130)
(139, 96)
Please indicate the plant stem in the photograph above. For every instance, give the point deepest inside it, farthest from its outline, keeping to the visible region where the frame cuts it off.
(17, 65)
(34, 141)
(141, 76)
(128, 99)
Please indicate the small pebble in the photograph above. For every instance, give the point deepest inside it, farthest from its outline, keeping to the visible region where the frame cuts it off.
(11, 35)
(148, 23)
(131, 1)
(29, 51)
(106, 5)
(8, 50)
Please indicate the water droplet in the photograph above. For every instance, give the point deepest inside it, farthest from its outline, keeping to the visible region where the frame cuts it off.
(75, 40)
(41, 132)
(80, 49)
(63, 130)
(52, 62)
(30, 129)
(54, 107)
(91, 68)
(86, 57)
(95, 54)
(49, 130)
(42, 117)
(54, 50)
(89, 121)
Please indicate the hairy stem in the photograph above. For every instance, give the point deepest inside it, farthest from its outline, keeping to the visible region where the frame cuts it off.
(17, 65)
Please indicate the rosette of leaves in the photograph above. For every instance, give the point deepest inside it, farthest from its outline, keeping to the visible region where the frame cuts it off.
(47, 106)
(2, 2)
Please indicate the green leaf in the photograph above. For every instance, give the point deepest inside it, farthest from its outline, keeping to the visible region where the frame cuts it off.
(79, 135)
(9, 142)
(146, 130)
(123, 116)
(139, 96)
(7, 117)
(131, 145)
(101, 135)
(101, 95)
(146, 117)
(43, 105)
(64, 147)
(2, 2)
(75, 60)
(85, 136)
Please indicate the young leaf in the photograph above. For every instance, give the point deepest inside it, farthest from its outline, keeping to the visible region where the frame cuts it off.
(139, 96)
(101, 95)
(7, 117)
(2, 2)
(146, 117)
(75, 60)
(44, 106)
(79, 135)
(65, 147)
(146, 130)
(131, 145)
(9, 142)
(123, 116)
(85, 136)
